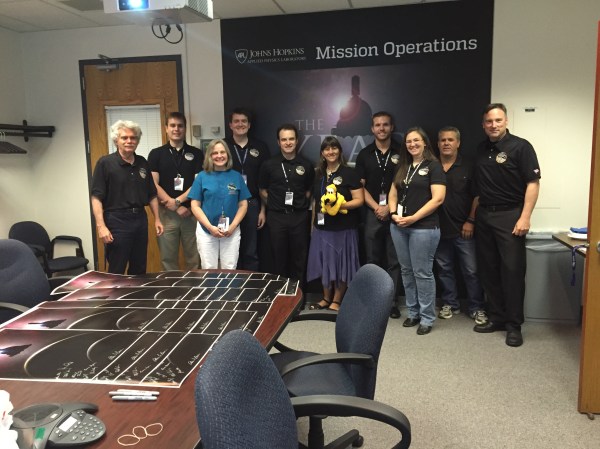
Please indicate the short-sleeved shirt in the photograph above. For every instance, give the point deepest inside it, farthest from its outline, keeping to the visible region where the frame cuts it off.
(219, 192)
(503, 169)
(345, 180)
(459, 198)
(170, 164)
(413, 196)
(121, 185)
(279, 175)
(378, 169)
(247, 160)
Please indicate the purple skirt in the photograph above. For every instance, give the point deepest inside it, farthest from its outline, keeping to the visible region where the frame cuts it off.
(333, 256)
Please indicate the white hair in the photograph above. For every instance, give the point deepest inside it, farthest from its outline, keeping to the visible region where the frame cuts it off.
(120, 124)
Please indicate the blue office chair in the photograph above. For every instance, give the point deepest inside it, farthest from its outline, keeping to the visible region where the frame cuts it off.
(34, 235)
(23, 283)
(242, 402)
(352, 372)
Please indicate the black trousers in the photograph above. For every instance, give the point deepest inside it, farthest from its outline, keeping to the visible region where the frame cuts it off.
(501, 263)
(130, 241)
(248, 259)
(289, 243)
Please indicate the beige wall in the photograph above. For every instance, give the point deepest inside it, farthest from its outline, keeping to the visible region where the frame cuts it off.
(544, 57)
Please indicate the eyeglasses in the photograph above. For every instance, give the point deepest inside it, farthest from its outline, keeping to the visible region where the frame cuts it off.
(140, 433)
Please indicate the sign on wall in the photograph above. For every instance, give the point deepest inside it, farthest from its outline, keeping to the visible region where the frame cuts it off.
(427, 64)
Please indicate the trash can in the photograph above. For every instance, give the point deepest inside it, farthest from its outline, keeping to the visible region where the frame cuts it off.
(549, 295)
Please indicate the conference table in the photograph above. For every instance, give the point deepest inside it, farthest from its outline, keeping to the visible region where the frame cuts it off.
(175, 407)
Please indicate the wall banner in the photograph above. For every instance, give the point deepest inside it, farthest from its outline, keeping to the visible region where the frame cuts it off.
(427, 64)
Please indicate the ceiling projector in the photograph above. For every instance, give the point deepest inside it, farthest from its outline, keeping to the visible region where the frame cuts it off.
(171, 11)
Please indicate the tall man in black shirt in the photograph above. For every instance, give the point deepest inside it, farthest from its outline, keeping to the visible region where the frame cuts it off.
(248, 155)
(121, 186)
(507, 180)
(174, 167)
(376, 165)
(285, 183)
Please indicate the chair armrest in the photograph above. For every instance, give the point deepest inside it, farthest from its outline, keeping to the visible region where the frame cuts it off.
(13, 306)
(333, 405)
(339, 357)
(69, 238)
(38, 250)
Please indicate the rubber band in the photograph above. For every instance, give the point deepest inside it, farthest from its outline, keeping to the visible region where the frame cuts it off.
(148, 432)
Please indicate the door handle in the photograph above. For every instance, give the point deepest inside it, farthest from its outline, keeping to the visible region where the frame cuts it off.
(598, 246)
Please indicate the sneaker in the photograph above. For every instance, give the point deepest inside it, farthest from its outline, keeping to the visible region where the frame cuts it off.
(448, 312)
(479, 316)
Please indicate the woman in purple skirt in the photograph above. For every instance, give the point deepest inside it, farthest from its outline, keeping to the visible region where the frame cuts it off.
(333, 253)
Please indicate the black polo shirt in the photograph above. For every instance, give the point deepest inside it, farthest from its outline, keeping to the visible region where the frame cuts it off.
(121, 185)
(503, 169)
(345, 180)
(298, 178)
(459, 198)
(169, 163)
(247, 160)
(378, 169)
(414, 196)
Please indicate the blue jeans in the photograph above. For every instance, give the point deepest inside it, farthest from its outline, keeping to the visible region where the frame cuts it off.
(416, 249)
(449, 250)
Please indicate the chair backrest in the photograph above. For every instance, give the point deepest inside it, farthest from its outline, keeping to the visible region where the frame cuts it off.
(31, 233)
(362, 322)
(241, 400)
(22, 278)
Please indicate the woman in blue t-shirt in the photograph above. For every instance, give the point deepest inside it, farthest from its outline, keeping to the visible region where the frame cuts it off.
(418, 189)
(219, 202)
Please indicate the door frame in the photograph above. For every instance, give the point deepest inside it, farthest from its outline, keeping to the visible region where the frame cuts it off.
(86, 62)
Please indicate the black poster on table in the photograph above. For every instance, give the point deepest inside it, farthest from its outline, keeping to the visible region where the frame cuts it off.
(427, 64)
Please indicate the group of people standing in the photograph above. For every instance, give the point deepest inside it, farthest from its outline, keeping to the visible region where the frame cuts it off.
(414, 209)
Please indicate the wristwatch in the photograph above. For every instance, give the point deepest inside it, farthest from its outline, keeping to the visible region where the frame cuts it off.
(177, 202)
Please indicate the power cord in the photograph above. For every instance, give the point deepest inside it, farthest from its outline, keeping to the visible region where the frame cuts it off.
(161, 29)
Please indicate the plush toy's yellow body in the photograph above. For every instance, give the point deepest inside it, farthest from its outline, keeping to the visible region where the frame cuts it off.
(331, 201)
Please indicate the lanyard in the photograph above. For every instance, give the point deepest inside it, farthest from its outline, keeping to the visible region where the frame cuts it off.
(408, 180)
(177, 159)
(242, 161)
(287, 181)
(387, 158)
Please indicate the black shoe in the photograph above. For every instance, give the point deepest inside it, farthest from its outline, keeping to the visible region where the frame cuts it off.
(423, 330)
(395, 312)
(411, 322)
(514, 338)
(489, 327)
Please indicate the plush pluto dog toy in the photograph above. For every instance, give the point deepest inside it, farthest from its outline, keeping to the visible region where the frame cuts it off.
(331, 201)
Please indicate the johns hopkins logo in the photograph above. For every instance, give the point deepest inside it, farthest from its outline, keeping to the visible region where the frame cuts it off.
(241, 55)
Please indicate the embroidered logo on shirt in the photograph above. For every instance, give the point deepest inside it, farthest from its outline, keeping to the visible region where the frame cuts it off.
(300, 170)
(189, 156)
(338, 180)
(395, 158)
(424, 171)
(143, 173)
(232, 188)
(501, 158)
(254, 152)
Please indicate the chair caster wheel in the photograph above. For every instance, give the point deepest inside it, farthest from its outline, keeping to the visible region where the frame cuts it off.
(358, 442)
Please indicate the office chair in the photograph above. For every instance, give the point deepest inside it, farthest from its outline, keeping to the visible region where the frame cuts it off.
(359, 331)
(34, 235)
(23, 283)
(242, 402)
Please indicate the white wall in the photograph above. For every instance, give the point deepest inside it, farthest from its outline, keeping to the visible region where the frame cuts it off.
(544, 56)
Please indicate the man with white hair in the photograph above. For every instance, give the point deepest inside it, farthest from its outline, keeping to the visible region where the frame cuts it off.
(122, 186)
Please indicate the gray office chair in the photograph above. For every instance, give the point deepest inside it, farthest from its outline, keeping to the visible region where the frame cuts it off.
(34, 235)
(242, 402)
(23, 283)
(351, 372)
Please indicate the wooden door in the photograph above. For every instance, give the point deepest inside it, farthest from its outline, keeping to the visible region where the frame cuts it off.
(589, 372)
(133, 83)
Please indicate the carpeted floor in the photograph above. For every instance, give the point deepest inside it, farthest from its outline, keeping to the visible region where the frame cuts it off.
(463, 390)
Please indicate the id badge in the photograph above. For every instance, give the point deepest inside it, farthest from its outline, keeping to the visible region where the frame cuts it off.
(400, 211)
(289, 198)
(245, 179)
(178, 183)
(320, 218)
(223, 224)
(382, 199)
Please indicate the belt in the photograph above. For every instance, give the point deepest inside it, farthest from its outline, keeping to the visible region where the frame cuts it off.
(500, 207)
(131, 210)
